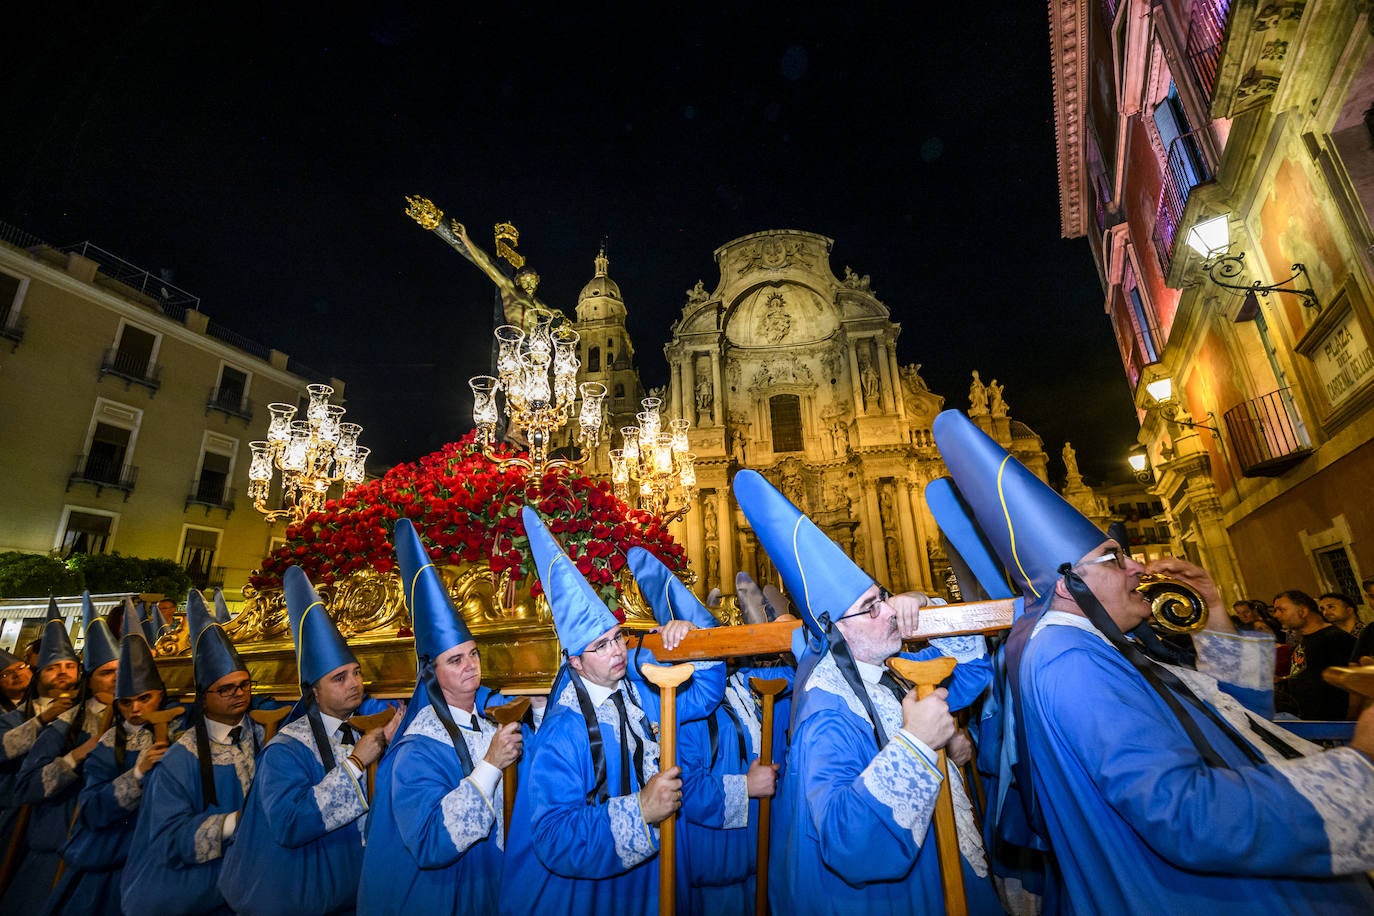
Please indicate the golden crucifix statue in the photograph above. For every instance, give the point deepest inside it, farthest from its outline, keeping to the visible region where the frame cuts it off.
(518, 300)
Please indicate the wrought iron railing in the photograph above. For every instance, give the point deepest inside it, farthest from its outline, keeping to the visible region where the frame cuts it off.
(172, 300)
(234, 338)
(1264, 436)
(1184, 169)
(132, 368)
(101, 472)
(211, 493)
(1206, 31)
(230, 401)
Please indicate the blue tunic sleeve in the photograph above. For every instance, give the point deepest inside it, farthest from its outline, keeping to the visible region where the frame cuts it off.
(439, 813)
(110, 794)
(44, 772)
(188, 836)
(299, 809)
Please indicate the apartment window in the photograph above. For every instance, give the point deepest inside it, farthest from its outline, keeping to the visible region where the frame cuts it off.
(1335, 566)
(133, 358)
(105, 459)
(109, 448)
(594, 359)
(230, 396)
(198, 549)
(214, 478)
(785, 412)
(11, 296)
(85, 531)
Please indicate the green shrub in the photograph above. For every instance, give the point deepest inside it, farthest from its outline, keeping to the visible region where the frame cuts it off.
(36, 575)
(110, 573)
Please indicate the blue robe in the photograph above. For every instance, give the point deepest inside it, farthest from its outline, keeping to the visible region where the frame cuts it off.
(853, 821)
(15, 744)
(299, 846)
(571, 856)
(1138, 823)
(49, 785)
(723, 846)
(178, 837)
(434, 840)
(99, 841)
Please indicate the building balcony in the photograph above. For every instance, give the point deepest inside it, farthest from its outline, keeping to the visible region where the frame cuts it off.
(101, 473)
(1264, 437)
(134, 370)
(1185, 169)
(12, 328)
(212, 494)
(1206, 33)
(230, 403)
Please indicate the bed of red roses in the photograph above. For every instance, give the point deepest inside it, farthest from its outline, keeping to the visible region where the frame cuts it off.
(467, 510)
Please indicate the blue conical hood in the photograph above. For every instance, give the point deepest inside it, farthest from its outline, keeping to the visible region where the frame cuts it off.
(1030, 527)
(956, 522)
(667, 596)
(579, 614)
(100, 647)
(137, 671)
(319, 647)
(56, 645)
(212, 652)
(819, 576)
(437, 624)
(146, 622)
(8, 658)
(221, 608)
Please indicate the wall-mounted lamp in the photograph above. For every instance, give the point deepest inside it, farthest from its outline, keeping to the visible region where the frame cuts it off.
(1211, 239)
(1139, 461)
(1161, 392)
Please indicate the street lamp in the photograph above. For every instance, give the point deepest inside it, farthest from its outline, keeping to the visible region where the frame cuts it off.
(1211, 239)
(1161, 398)
(1139, 460)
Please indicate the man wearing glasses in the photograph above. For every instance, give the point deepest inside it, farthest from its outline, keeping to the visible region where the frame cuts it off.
(584, 834)
(14, 680)
(1159, 786)
(853, 830)
(192, 799)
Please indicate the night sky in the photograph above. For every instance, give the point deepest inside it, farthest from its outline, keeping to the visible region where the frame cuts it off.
(261, 154)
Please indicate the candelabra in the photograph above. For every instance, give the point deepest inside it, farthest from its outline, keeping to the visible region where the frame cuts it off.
(311, 454)
(658, 461)
(537, 374)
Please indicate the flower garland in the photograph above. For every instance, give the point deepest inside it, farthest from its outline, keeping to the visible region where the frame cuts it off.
(467, 510)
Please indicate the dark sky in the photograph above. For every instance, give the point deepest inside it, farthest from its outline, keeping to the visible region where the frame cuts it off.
(261, 153)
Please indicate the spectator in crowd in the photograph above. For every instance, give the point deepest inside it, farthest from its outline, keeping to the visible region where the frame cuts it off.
(1339, 610)
(1248, 618)
(1303, 693)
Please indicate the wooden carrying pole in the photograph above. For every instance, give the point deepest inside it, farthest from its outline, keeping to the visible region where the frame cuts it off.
(927, 676)
(269, 719)
(503, 715)
(101, 728)
(365, 724)
(667, 679)
(1352, 680)
(768, 689)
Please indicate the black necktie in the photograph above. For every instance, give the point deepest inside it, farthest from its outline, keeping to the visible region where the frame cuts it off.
(891, 683)
(619, 699)
(234, 734)
(475, 725)
(347, 735)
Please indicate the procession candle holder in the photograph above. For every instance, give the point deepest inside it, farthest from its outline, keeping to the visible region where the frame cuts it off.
(307, 456)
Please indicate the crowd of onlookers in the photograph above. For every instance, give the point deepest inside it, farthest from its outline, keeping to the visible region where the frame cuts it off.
(1313, 634)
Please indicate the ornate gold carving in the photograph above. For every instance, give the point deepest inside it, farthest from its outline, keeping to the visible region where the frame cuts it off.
(507, 238)
(423, 211)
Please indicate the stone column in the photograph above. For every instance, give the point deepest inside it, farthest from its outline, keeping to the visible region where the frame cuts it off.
(676, 382)
(855, 386)
(887, 381)
(874, 535)
(915, 569)
(890, 351)
(726, 531)
(695, 539)
(689, 386)
(717, 391)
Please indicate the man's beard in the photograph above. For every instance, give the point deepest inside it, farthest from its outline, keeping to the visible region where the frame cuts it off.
(871, 649)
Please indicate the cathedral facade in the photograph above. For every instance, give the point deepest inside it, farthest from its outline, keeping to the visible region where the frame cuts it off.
(786, 368)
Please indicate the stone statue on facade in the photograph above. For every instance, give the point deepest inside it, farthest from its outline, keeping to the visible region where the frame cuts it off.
(710, 509)
(697, 294)
(776, 322)
(1070, 461)
(737, 447)
(703, 398)
(977, 397)
(995, 402)
(792, 486)
(839, 433)
(854, 281)
(868, 377)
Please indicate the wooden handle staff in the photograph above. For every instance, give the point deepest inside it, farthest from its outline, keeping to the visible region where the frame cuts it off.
(768, 690)
(365, 724)
(269, 719)
(101, 728)
(667, 679)
(504, 715)
(927, 676)
(1357, 680)
(161, 719)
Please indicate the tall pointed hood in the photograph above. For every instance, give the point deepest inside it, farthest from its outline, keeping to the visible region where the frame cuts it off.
(100, 647)
(222, 615)
(319, 646)
(667, 596)
(437, 624)
(579, 615)
(8, 658)
(1030, 527)
(56, 645)
(819, 577)
(137, 671)
(147, 622)
(212, 652)
(957, 524)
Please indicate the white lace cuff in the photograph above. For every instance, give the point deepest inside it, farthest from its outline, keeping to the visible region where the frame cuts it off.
(1340, 785)
(339, 798)
(634, 839)
(19, 740)
(903, 781)
(468, 815)
(128, 789)
(58, 775)
(736, 788)
(1244, 661)
(210, 837)
(961, 648)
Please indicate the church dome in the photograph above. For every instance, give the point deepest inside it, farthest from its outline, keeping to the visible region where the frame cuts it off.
(601, 284)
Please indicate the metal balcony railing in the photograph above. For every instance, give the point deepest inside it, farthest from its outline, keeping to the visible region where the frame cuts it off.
(172, 300)
(131, 368)
(230, 401)
(12, 327)
(1206, 31)
(211, 493)
(1184, 169)
(101, 473)
(1264, 436)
